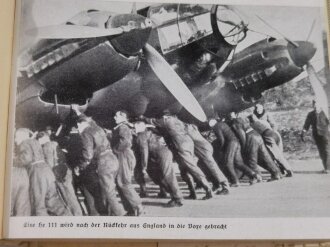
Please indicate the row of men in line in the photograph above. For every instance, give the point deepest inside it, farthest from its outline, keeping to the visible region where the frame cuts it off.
(101, 168)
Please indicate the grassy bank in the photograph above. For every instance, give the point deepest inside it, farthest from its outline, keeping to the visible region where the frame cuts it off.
(290, 123)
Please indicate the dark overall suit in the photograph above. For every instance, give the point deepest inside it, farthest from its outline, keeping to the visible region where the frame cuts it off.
(157, 159)
(237, 125)
(122, 146)
(272, 141)
(99, 169)
(320, 128)
(56, 159)
(231, 149)
(256, 154)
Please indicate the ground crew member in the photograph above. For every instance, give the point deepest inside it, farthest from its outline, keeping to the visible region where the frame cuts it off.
(184, 151)
(122, 145)
(87, 180)
(319, 122)
(96, 154)
(20, 199)
(45, 199)
(201, 71)
(55, 158)
(157, 159)
(140, 170)
(236, 123)
(272, 141)
(266, 118)
(204, 152)
(262, 115)
(71, 142)
(231, 149)
(256, 153)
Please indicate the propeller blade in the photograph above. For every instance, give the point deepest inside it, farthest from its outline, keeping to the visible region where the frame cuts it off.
(228, 61)
(173, 83)
(320, 94)
(311, 30)
(72, 32)
(286, 38)
(134, 9)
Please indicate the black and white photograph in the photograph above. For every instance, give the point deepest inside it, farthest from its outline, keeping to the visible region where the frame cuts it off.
(134, 111)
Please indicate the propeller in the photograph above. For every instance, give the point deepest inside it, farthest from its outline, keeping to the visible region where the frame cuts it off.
(173, 83)
(134, 9)
(228, 61)
(311, 30)
(73, 32)
(320, 95)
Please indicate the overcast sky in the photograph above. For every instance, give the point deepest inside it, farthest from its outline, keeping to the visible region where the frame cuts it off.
(293, 22)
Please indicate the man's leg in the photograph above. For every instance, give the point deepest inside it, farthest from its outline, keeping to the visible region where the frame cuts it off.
(168, 175)
(187, 159)
(189, 181)
(266, 162)
(54, 202)
(139, 178)
(90, 185)
(252, 153)
(327, 153)
(20, 198)
(155, 173)
(107, 170)
(323, 146)
(276, 152)
(131, 201)
(239, 164)
(204, 152)
(67, 191)
(230, 152)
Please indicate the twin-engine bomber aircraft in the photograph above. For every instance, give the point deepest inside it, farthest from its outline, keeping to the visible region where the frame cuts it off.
(148, 61)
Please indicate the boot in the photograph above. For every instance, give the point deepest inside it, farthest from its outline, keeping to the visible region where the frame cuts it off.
(143, 191)
(274, 178)
(174, 203)
(224, 190)
(162, 193)
(215, 187)
(138, 210)
(235, 185)
(208, 194)
(256, 179)
(190, 182)
(208, 191)
(289, 174)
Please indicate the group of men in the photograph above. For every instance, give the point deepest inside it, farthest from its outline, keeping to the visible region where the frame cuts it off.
(100, 164)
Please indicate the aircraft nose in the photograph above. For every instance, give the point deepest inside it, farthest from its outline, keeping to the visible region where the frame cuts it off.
(137, 30)
(303, 53)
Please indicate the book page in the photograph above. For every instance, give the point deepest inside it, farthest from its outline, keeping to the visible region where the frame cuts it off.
(169, 121)
(6, 29)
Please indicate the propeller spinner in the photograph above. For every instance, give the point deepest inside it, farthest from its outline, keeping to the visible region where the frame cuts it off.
(302, 54)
